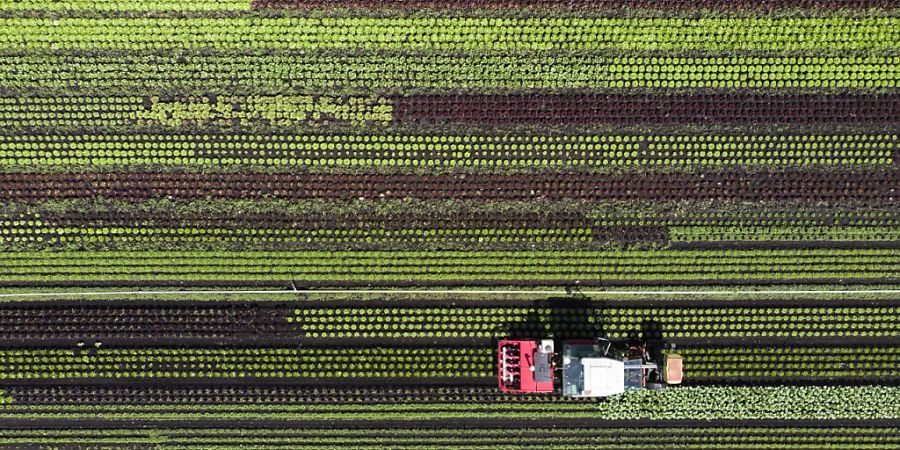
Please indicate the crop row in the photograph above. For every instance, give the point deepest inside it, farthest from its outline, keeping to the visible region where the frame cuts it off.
(303, 112)
(244, 238)
(463, 33)
(692, 403)
(93, 394)
(49, 233)
(132, 321)
(756, 233)
(297, 237)
(193, 238)
(729, 5)
(486, 438)
(617, 323)
(475, 322)
(597, 267)
(275, 110)
(757, 403)
(398, 217)
(260, 237)
(393, 215)
(730, 365)
(293, 363)
(245, 5)
(130, 6)
(644, 109)
(742, 364)
(828, 293)
(381, 72)
(561, 407)
(212, 396)
(348, 150)
(869, 186)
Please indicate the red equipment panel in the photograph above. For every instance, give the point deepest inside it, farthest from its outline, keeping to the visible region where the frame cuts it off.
(516, 368)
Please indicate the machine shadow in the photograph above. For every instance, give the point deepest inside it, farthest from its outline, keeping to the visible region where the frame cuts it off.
(560, 318)
(577, 318)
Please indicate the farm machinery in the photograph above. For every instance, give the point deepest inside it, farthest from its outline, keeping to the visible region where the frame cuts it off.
(584, 368)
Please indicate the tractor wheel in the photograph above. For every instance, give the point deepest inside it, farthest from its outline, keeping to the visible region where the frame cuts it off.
(655, 386)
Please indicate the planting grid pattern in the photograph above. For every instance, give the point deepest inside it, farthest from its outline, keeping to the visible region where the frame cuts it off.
(648, 167)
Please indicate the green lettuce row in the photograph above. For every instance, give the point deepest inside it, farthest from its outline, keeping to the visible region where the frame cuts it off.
(768, 233)
(565, 408)
(711, 403)
(562, 406)
(365, 150)
(705, 403)
(533, 33)
(747, 363)
(617, 323)
(682, 438)
(390, 72)
(662, 293)
(257, 238)
(503, 276)
(125, 5)
(471, 267)
(751, 432)
(493, 444)
(327, 258)
(45, 364)
(611, 442)
(136, 238)
(225, 111)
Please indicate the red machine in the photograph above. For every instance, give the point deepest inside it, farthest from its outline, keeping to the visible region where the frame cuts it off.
(525, 366)
(588, 368)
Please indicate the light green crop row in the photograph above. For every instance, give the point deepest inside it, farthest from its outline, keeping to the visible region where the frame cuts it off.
(617, 257)
(819, 403)
(751, 232)
(472, 267)
(313, 408)
(125, 5)
(153, 363)
(378, 72)
(709, 403)
(340, 150)
(786, 363)
(537, 33)
(258, 238)
(164, 295)
(673, 438)
(617, 323)
(113, 111)
(718, 432)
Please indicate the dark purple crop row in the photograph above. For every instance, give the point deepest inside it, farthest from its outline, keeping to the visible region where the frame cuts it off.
(576, 4)
(873, 186)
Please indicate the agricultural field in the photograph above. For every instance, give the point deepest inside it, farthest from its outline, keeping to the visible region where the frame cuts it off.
(255, 224)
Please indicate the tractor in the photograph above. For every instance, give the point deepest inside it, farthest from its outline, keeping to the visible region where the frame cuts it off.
(585, 368)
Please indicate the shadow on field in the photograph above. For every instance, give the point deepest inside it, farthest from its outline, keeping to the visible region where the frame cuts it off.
(560, 318)
(577, 318)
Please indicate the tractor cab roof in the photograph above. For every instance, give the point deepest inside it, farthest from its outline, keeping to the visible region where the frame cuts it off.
(602, 377)
(589, 373)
